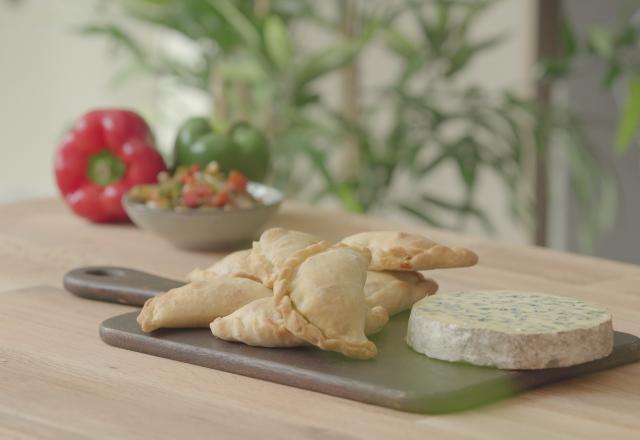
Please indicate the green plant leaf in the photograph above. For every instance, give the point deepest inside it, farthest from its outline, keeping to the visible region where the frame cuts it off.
(459, 59)
(442, 20)
(238, 21)
(421, 214)
(291, 8)
(614, 71)
(341, 190)
(276, 40)
(627, 36)
(348, 197)
(303, 99)
(473, 10)
(460, 209)
(117, 34)
(194, 19)
(333, 57)
(429, 35)
(568, 39)
(467, 51)
(600, 41)
(246, 69)
(436, 162)
(361, 136)
(327, 60)
(628, 125)
(467, 160)
(400, 43)
(126, 74)
(554, 68)
(438, 32)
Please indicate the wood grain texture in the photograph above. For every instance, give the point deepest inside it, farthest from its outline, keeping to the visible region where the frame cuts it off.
(59, 380)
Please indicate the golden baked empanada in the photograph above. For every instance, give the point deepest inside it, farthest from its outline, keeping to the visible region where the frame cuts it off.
(260, 324)
(235, 264)
(376, 318)
(392, 250)
(202, 275)
(320, 293)
(262, 261)
(397, 291)
(274, 247)
(198, 303)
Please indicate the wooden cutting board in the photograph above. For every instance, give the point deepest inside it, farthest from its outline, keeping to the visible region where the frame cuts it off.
(398, 378)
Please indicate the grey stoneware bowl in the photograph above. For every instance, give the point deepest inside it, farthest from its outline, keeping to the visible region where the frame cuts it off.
(210, 229)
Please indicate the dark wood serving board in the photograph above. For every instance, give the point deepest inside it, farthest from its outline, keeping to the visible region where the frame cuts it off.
(398, 378)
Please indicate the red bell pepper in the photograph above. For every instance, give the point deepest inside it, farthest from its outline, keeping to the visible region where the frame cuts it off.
(106, 153)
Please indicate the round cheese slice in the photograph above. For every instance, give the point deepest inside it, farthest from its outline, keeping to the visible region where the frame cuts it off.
(510, 330)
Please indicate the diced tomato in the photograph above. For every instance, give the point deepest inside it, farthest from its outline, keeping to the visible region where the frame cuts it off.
(220, 199)
(186, 179)
(201, 190)
(194, 168)
(196, 195)
(191, 200)
(237, 182)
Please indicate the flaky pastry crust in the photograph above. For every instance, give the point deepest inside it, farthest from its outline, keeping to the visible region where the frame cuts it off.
(320, 333)
(393, 250)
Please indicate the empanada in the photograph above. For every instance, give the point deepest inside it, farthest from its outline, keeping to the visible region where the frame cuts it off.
(377, 315)
(392, 250)
(376, 318)
(320, 293)
(260, 324)
(263, 260)
(274, 247)
(198, 303)
(397, 291)
(235, 264)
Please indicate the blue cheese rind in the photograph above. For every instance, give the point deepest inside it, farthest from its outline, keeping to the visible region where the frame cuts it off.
(510, 330)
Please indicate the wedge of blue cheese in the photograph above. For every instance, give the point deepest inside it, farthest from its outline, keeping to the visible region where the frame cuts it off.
(510, 330)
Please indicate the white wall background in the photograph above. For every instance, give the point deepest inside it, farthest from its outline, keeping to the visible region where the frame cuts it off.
(49, 75)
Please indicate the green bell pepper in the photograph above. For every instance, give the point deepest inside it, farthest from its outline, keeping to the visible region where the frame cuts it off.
(242, 147)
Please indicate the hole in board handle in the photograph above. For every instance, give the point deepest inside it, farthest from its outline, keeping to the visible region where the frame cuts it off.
(105, 272)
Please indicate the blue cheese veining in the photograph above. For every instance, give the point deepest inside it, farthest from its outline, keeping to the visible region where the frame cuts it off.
(507, 329)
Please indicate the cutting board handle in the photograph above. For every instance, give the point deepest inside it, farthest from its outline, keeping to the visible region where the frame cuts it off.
(116, 284)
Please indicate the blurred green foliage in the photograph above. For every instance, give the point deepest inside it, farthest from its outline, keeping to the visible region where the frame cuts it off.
(251, 60)
(617, 46)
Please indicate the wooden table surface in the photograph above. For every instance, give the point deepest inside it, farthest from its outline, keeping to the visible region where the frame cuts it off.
(58, 380)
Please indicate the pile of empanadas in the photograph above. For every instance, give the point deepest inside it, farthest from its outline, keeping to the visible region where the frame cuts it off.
(293, 288)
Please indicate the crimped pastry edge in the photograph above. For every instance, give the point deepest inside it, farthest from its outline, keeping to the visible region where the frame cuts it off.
(412, 256)
(436, 257)
(298, 324)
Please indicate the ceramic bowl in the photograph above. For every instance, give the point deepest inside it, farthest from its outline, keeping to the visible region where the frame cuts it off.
(208, 229)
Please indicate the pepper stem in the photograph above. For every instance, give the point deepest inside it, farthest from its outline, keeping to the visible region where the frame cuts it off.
(105, 168)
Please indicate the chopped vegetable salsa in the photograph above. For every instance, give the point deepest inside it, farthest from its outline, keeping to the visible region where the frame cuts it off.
(193, 188)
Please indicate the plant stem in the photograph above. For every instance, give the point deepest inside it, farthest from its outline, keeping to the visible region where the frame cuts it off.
(261, 9)
(218, 89)
(244, 99)
(548, 31)
(350, 92)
